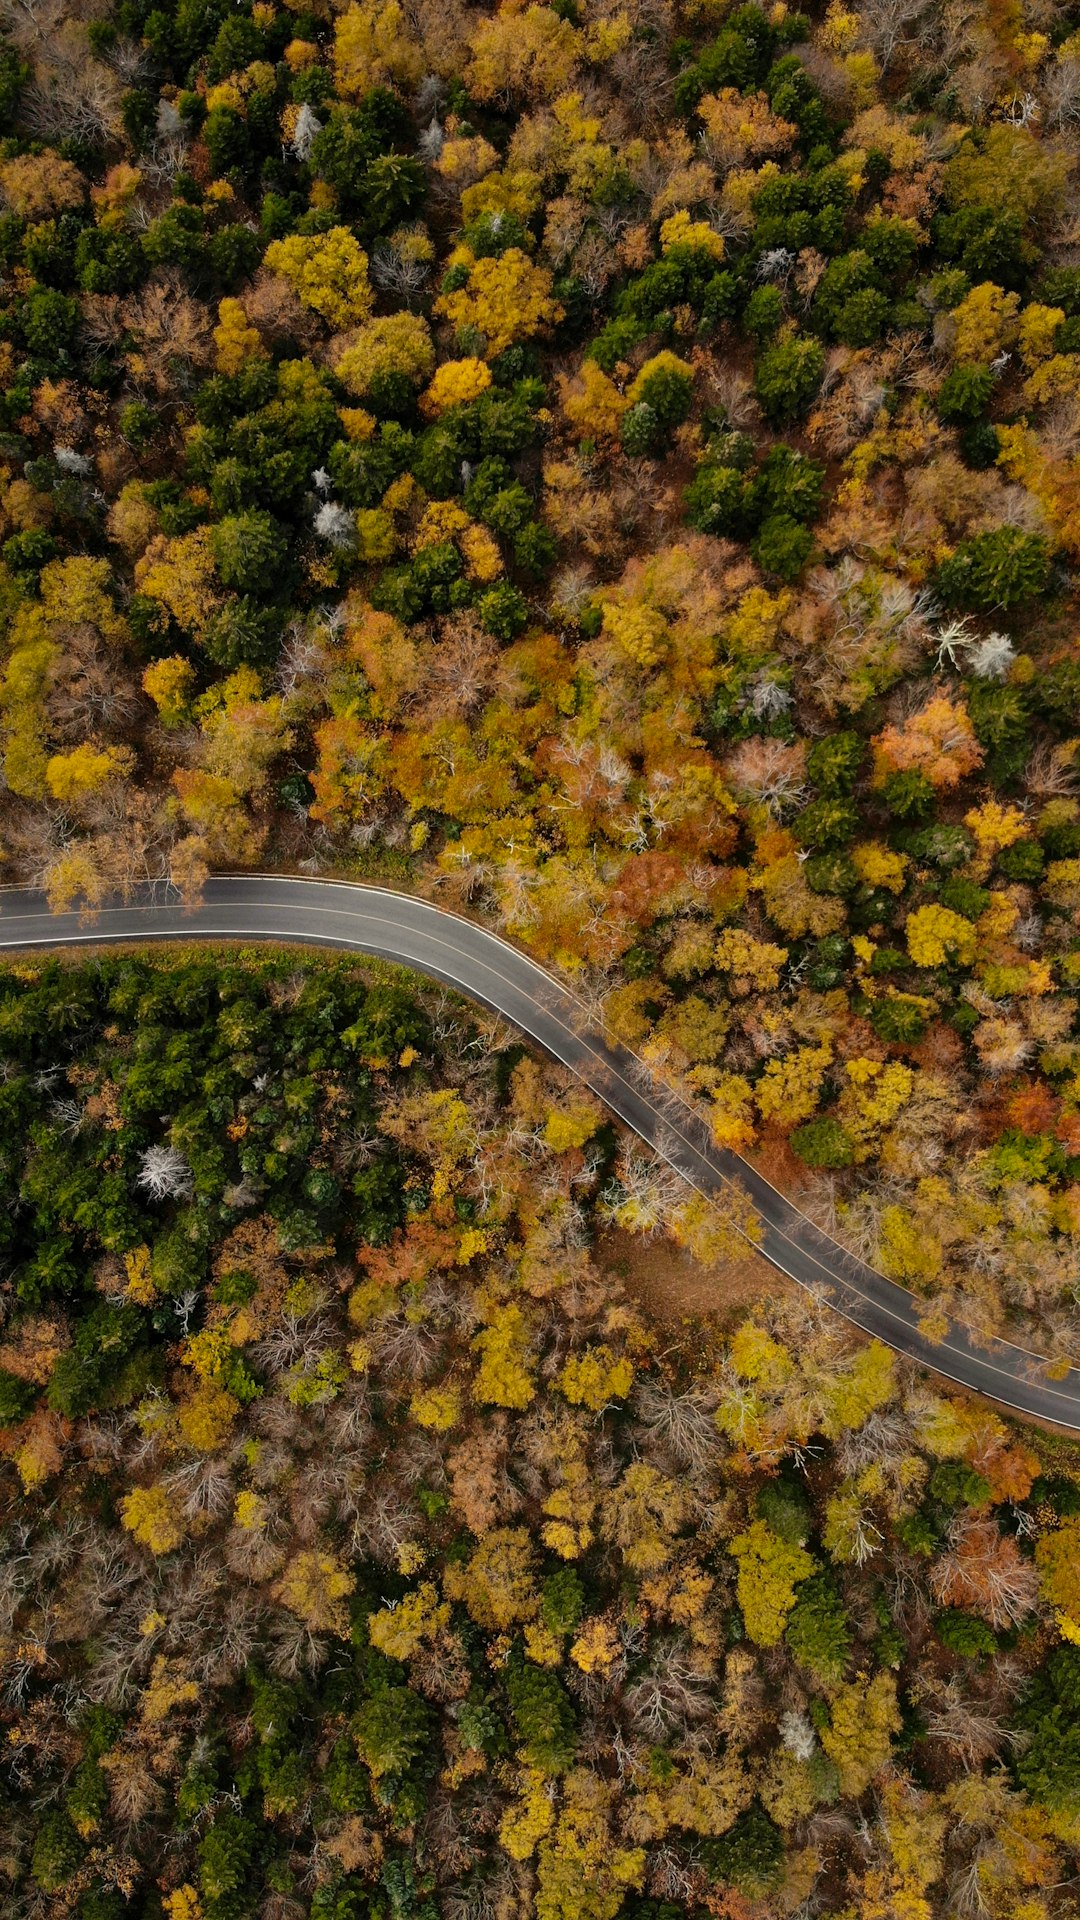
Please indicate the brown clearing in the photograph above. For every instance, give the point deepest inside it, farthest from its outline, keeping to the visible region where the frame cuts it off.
(671, 1285)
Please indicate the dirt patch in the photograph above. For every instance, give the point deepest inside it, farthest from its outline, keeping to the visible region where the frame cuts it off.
(672, 1286)
(778, 1163)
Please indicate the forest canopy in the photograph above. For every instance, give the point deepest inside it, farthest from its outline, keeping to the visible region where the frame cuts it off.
(368, 1553)
(610, 467)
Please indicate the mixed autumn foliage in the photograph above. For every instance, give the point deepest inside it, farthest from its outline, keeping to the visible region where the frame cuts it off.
(367, 1555)
(612, 466)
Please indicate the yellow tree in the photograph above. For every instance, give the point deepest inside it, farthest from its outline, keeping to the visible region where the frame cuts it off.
(864, 1720)
(315, 1586)
(505, 300)
(327, 272)
(769, 1571)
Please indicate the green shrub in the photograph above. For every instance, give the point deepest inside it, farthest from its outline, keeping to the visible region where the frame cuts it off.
(787, 376)
(226, 1856)
(503, 611)
(783, 547)
(965, 393)
(817, 1630)
(17, 1398)
(562, 1600)
(827, 822)
(823, 1143)
(995, 571)
(392, 1730)
(764, 313)
(748, 1856)
(250, 549)
(900, 1020)
(543, 1717)
(965, 1634)
(833, 762)
(57, 1855)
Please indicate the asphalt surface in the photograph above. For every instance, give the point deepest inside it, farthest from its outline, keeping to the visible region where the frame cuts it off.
(477, 963)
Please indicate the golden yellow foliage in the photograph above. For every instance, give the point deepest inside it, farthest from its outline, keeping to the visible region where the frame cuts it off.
(373, 46)
(498, 1584)
(455, 383)
(206, 1418)
(417, 1619)
(938, 937)
(864, 1718)
(594, 1377)
(502, 1379)
(235, 341)
(571, 1125)
(679, 230)
(170, 683)
(527, 51)
(72, 777)
(505, 300)
(437, 1408)
(789, 1087)
(315, 1586)
(147, 1513)
(755, 1355)
(183, 1903)
(640, 632)
(582, 1874)
(754, 965)
(878, 866)
(326, 271)
(165, 1690)
(181, 573)
(984, 323)
(592, 402)
(597, 1646)
(769, 1571)
(530, 1817)
(36, 185)
(394, 343)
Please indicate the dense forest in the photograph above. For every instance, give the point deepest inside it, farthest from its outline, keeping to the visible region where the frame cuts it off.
(614, 467)
(368, 1554)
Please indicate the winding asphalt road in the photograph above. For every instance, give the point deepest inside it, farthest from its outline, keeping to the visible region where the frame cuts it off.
(477, 963)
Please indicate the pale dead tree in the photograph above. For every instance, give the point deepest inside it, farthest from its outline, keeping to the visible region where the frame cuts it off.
(1052, 771)
(165, 1174)
(1060, 101)
(681, 1423)
(202, 1488)
(74, 99)
(967, 1888)
(671, 1694)
(159, 165)
(237, 1634)
(797, 1736)
(888, 26)
(770, 772)
(571, 590)
(335, 524)
(382, 1525)
(883, 1438)
(173, 330)
(968, 1727)
(671, 1877)
(643, 1193)
(294, 1650)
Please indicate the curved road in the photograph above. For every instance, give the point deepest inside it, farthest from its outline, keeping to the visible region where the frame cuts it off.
(477, 963)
